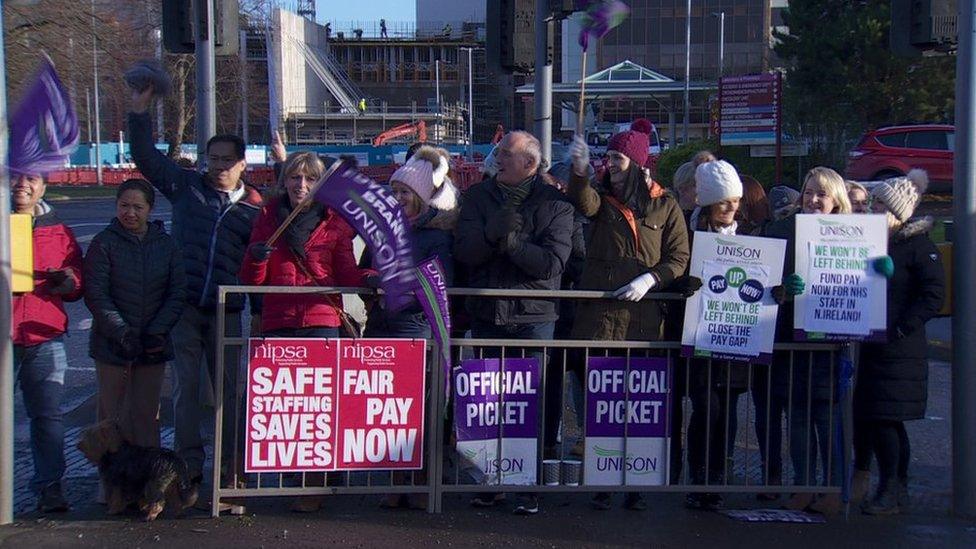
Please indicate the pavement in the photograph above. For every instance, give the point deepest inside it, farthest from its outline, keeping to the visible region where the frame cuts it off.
(566, 519)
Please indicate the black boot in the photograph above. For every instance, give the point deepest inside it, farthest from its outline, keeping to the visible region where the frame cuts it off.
(885, 502)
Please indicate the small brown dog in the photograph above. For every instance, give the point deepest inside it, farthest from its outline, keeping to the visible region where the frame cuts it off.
(150, 477)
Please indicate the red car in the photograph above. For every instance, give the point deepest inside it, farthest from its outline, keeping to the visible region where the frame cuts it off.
(893, 151)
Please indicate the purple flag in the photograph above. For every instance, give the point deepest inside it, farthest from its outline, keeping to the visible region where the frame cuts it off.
(44, 127)
(431, 292)
(376, 215)
(600, 17)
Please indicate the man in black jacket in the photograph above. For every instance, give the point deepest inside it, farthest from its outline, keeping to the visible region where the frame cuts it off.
(515, 232)
(213, 213)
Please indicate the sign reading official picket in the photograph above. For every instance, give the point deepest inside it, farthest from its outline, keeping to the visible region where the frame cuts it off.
(844, 298)
(334, 404)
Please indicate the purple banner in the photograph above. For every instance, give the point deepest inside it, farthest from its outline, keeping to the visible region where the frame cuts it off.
(44, 127)
(431, 292)
(376, 215)
(485, 397)
(641, 403)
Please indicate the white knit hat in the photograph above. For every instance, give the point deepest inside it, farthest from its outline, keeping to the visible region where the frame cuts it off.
(901, 194)
(426, 174)
(716, 181)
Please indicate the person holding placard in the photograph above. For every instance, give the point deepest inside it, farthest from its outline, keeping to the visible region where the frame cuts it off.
(811, 434)
(892, 377)
(638, 243)
(715, 388)
(315, 249)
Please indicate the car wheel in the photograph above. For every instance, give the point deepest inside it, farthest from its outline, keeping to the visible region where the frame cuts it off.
(886, 174)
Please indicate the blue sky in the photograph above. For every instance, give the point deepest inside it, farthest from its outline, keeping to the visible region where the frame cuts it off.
(366, 10)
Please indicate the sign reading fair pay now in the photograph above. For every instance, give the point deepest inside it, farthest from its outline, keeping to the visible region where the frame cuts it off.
(334, 404)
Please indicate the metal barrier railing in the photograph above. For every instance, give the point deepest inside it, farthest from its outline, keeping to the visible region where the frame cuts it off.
(812, 438)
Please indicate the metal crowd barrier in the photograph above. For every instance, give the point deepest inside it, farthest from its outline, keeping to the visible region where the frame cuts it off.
(743, 470)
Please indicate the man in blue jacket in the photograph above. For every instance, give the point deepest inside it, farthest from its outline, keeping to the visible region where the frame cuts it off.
(212, 217)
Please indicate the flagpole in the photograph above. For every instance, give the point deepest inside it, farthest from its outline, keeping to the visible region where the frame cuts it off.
(580, 115)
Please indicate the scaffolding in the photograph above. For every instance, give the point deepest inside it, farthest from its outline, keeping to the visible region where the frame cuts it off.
(331, 124)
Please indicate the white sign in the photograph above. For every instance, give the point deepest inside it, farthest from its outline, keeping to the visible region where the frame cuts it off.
(734, 314)
(844, 298)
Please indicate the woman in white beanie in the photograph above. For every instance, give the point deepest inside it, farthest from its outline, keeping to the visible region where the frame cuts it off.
(715, 386)
(892, 377)
(429, 199)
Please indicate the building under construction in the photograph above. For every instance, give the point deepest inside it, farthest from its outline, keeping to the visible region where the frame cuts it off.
(343, 87)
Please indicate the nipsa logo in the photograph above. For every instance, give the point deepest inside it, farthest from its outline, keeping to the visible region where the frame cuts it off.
(276, 352)
(369, 352)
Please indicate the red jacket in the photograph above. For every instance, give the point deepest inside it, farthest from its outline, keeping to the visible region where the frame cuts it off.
(39, 316)
(329, 259)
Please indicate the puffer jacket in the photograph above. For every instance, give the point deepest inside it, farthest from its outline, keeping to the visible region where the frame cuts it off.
(210, 228)
(39, 316)
(537, 264)
(892, 377)
(616, 253)
(328, 258)
(132, 284)
(431, 235)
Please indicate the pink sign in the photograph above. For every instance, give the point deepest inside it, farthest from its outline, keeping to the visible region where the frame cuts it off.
(334, 404)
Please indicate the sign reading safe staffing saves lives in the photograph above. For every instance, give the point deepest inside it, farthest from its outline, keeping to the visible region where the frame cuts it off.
(844, 298)
(733, 316)
(334, 404)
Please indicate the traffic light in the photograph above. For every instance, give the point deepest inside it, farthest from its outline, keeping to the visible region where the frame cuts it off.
(178, 27)
(510, 34)
(923, 27)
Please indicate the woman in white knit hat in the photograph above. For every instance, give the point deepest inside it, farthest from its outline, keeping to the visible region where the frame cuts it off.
(892, 377)
(715, 386)
(429, 199)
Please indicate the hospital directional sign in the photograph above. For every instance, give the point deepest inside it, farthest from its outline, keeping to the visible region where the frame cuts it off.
(750, 109)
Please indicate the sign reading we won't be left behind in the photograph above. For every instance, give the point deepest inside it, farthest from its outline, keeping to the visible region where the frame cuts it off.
(334, 404)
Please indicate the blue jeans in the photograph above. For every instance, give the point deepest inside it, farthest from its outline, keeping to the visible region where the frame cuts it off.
(195, 341)
(554, 379)
(40, 371)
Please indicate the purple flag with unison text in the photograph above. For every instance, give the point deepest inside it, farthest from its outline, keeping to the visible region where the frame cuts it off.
(44, 127)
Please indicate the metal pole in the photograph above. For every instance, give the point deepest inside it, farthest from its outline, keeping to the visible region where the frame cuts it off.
(98, 125)
(470, 108)
(206, 94)
(159, 57)
(6, 345)
(963, 268)
(244, 118)
(684, 132)
(543, 81)
(721, 44)
(437, 83)
(88, 114)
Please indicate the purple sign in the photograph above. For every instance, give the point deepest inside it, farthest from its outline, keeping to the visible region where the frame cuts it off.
(488, 398)
(376, 215)
(637, 399)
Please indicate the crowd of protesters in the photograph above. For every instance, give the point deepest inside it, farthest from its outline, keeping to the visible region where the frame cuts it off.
(153, 297)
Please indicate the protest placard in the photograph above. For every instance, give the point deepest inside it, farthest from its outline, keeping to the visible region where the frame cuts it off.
(627, 435)
(495, 417)
(733, 316)
(844, 299)
(334, 404)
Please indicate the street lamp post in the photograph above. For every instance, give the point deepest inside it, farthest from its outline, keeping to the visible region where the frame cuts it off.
(721, 42)
(470, 107)
(684, 132)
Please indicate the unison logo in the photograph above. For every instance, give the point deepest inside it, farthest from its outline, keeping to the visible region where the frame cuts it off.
(836, 228)
(614, 460)
(732, 249)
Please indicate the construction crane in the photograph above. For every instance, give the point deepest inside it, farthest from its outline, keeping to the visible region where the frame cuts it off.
(419, 128)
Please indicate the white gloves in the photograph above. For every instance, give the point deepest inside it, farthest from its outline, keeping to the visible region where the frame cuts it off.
(637, 288)
(579, 154)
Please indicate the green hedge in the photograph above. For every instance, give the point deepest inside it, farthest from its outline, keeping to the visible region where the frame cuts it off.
(763, 169)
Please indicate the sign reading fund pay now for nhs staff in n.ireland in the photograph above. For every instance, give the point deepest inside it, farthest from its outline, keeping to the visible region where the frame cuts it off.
(496, 412)
(334, 404)
(844, 297)
(627, 428)
(733, 316)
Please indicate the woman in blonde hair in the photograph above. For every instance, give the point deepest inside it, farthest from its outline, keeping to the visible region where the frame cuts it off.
(858, 195)
(314, 250)
(801, 385)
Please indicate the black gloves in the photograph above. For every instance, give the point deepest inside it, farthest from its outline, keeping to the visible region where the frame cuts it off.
(129, 347)
(260, 251)
(60, 281)
(506, 222)
(687, 285)
(154, 349)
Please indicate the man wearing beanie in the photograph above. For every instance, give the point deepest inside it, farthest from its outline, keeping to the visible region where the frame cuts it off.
(638, 243)
(515, 232)
(892, 377)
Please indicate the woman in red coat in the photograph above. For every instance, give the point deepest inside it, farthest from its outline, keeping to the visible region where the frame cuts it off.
(315, 250)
